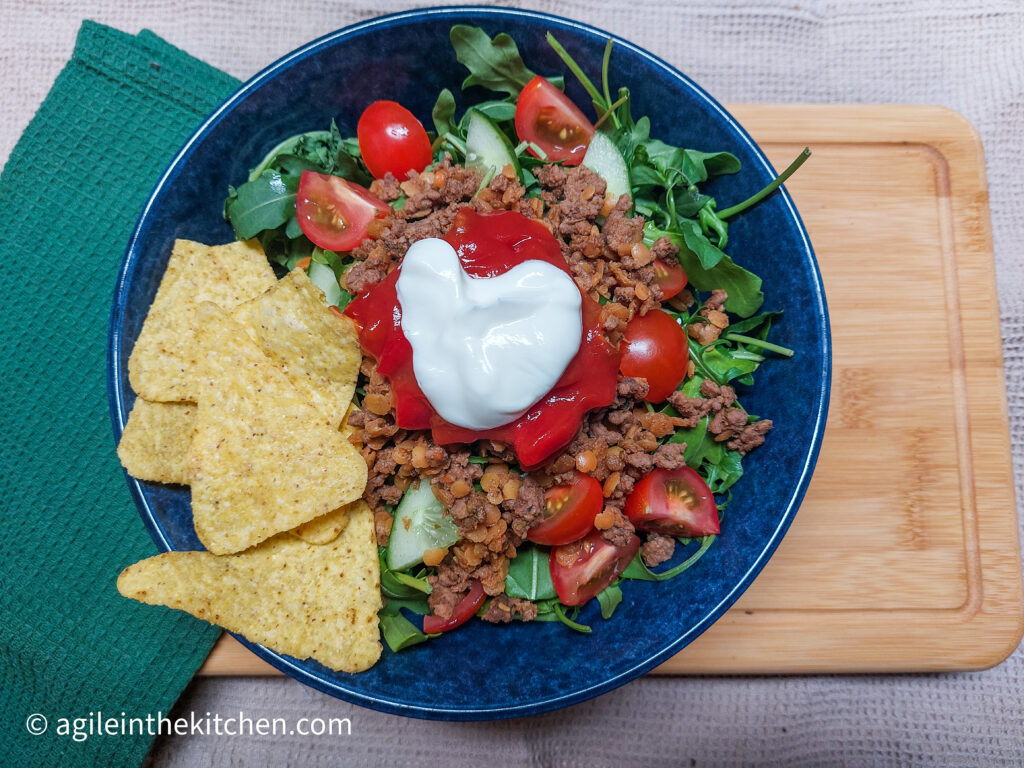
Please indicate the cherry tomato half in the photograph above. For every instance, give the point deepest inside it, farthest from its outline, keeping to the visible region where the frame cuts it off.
(674, 502)
(569, 511)
(335, 213)
(548, 118)
(392, 139)
(463, 612)
(582, 569)
(655, 348)
(670, 277)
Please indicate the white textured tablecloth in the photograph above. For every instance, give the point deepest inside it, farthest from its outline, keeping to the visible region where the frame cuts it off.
(965, 55)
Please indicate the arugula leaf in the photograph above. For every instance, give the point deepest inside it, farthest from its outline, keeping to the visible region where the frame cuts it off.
(498, 111)
(609, 599)
(743, 287)
(711, 223)
(560, 613)
(708, 255)
(529, 576)
(443, 113)
(701, 166)
(695, 439)
(418, 606)
(723, 474)
(269, 201)
(494, 64)
(400, 586)
(288, 147)
(284, 250)
(601, 104)
(769, 188)
(398, 632)
(727, 364)
(638, 571)
(325, 151)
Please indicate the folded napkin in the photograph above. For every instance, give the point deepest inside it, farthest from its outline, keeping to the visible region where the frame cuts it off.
(70, 646)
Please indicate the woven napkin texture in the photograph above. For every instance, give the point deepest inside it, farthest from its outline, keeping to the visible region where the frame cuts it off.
(71, 191)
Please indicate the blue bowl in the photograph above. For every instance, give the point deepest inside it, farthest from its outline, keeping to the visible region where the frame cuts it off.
(485, 672)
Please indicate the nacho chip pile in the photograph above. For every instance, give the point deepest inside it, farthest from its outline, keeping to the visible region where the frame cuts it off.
(244, 383)
(162, 366)
(304, 600)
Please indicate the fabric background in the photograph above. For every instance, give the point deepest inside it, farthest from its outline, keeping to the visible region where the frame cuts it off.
(965, 55)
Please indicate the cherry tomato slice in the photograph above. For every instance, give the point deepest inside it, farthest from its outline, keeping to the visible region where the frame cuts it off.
(463, 612)
(584, 568)
(569, 511)
(335, 213)
(655, 349)
(391, 139)
(674, 502)
(549, 119)
(670, 277)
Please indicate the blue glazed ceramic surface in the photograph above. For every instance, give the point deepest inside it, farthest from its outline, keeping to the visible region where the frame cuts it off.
(483, 671)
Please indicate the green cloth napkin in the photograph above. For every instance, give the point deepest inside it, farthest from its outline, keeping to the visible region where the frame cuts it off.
(70, 645)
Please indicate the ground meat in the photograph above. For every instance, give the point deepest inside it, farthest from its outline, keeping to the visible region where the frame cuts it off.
(692, 409)
(715, 320)
(630, 388)
(503, 193)
(717, 300)
(526, 509)
(438, 188)
(468, 561)
(670, 456)
(657, 549)
(582, 200)
(382, 520)
(719, 395)
(703, 333)
(552, 180)
(387, 189)
(456, 482)
(443, 598)
(621, 531)
(727, 423)
(622, 232)
(750, 437)
(503, 609)
(432, 199)
(663, 248)
(376, 264)
(608, 259)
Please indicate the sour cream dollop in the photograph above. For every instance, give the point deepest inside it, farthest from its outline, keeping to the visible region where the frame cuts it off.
(485, 349)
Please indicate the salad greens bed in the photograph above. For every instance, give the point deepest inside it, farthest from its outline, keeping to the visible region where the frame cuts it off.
(664, 182)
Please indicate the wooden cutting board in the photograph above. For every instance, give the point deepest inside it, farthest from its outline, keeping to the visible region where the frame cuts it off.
(904, 555)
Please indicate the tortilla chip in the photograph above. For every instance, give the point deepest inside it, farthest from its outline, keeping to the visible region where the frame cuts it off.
(155, 441)
(262, 460)
(318, 349)
(162, 364)
(303, 600)
(326, 528)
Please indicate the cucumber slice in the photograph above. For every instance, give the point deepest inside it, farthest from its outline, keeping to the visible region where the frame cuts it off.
(486, 146)
(323, 278)
(604, 159)
(427, 527)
